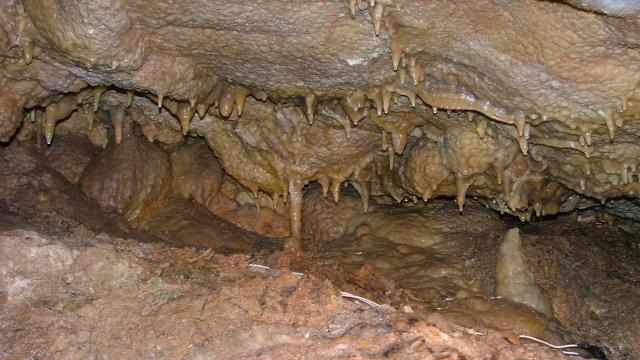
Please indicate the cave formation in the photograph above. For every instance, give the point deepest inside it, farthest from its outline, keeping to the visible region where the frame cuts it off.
(206, 179)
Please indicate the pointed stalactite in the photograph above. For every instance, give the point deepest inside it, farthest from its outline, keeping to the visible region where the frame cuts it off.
(462, 184)
(383, 140)
(56, 112)
(27, 50)
(399, 140)
(402, 76)
(506, 186)
(376, 17)
(374, 94)
(415, 71)
(203, 106)
(310, 103)
(408, 93)
(608, 118)
(325, 182)
(184, 113)
(386, 98)
(226, 101)
(239, 96)
(519, 122)
(346, 123)
(90, 117)
(481, 127)
(364, 194)
(38, 122)
(427, 194)
(117, 120)
(130, 94)
(97, 94)
(49, 128)
(396, 54)
(524, 145)
(352, 103)
(335, 189)
(294, 242)
(499, 171)
(160, 101)
(352, 8)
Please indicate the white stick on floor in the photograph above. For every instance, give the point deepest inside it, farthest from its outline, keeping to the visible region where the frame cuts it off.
(344, 294)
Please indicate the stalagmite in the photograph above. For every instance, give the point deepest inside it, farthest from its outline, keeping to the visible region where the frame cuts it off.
(310, 102)
(117, 119)
(514, 281)
(294, 242)
(97, 94)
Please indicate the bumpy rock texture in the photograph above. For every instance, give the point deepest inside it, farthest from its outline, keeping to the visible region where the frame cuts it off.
(333, 91)
(530, 107)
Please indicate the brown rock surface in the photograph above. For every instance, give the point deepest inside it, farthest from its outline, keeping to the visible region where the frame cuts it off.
(132, 178)
(214, 115)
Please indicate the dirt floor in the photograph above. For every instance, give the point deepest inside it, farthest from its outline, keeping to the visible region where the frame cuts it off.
(79, 283)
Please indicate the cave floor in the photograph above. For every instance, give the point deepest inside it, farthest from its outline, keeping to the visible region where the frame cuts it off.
(90, 287)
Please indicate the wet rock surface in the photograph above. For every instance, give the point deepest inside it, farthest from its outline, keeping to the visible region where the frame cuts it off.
(361, 136)
(132, 178)
(433, 267)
